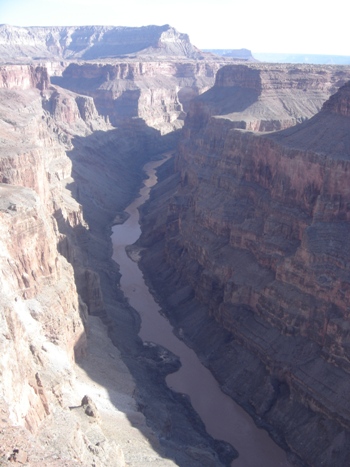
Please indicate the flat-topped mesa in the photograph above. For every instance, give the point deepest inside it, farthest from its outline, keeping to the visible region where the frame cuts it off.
(241, 76)
(92, 42)
(263, 97)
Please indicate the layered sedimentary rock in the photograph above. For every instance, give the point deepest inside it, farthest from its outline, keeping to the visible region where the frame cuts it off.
(150, 72)
(92, 42)
(158, 92)
(256, 263)
(256, 97)
(43, 318)
(256, 253)
(262, 97)
(65, 174)
(23, 77)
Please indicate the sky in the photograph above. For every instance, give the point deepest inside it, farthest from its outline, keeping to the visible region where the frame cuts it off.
(274, 26)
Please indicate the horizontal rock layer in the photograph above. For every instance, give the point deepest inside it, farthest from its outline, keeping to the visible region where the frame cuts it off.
(23, 77)
(92, 42)
(43, 318)
(158, 92)
(263, 97)
(65, 174)
(257, 227)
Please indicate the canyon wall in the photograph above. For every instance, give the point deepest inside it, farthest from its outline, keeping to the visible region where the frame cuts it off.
(65, 175)
(47, 284)
(19, 44)
(255, 97)
(158, 92)
(251, 228)
(42, 316)
(252, 261)
(261, 97)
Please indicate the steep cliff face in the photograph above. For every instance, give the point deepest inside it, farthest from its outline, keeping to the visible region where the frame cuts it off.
(58, 160)
(262, 97)
(42, 317)
(255, 97)
(92, 42)
(158, 92)
(23, 77)
(257, 232)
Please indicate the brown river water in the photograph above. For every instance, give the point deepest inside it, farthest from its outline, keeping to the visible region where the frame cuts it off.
(223, 418)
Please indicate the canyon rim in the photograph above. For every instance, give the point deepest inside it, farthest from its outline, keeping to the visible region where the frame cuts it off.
(245, 244)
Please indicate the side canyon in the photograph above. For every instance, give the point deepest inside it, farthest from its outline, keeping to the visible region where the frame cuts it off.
(244, 245)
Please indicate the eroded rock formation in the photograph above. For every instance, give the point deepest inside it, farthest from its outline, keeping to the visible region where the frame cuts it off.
(92, 42)
(43, 318)
(262, 97)
(256, 263)
(65, 175)
(159, 92)
(253, 260)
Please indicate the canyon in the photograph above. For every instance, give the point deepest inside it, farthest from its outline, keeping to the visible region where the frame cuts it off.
(244, 245)
(252, 265)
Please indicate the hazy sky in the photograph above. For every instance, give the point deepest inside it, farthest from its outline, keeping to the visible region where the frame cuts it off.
(297, 26)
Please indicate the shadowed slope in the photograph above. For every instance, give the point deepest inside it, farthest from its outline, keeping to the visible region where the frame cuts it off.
(262, 97)
(326, 133)
(252, 230)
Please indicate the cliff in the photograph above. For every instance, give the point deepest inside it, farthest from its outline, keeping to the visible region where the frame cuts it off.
(248, 236)
(68, 396)
(37, 285)
(245, 237)
(43, 318)
(256, 97)
(262, 97)
(92, 42)
(159, 92)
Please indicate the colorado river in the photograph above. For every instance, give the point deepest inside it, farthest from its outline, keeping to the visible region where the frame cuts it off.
(223, 418)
